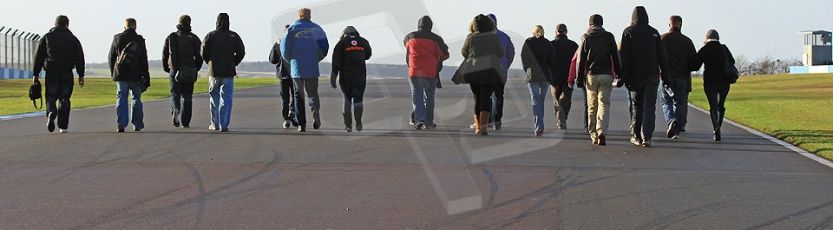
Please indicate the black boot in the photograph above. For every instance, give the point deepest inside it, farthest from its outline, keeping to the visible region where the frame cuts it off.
(348, 120)
(359, 110)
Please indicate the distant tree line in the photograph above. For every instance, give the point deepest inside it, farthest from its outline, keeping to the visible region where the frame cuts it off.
(765, 65)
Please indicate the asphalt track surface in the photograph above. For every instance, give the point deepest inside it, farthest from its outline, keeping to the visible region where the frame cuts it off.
(260, 176)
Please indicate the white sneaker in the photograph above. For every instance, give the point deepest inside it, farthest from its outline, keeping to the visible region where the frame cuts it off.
(64, 131)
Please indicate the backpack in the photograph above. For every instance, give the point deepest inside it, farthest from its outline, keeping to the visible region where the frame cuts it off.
(731, 71)
(127, 60)
(187, 73)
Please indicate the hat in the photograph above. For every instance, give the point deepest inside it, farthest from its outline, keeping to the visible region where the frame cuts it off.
(712, 35)
(596, 20)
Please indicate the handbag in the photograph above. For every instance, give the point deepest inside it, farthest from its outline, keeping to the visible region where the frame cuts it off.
(186, 74)
(35, 93)
(731, 71)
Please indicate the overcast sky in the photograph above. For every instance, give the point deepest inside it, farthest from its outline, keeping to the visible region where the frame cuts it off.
(753, 28)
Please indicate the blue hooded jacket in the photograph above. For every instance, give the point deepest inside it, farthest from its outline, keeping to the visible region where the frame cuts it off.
(304, 45)
(506, 44)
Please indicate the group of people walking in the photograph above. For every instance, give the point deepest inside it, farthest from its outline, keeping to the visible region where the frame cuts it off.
(642, 62)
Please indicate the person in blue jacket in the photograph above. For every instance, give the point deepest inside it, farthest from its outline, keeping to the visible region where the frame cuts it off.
(505, 62)
(304, 46)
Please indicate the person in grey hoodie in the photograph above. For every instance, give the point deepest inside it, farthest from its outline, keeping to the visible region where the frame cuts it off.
(223, 50)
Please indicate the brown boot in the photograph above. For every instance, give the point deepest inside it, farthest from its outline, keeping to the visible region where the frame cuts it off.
(484, 126)
(476, 124)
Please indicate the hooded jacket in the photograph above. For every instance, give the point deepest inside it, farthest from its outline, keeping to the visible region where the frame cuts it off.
(642, 51)
(425, 51)
(536, 57)
(483, 53)
(223, 50)
(182, 48)
(597, 55)
(58, 52)
(563, 51)
(349, 56)
(304, 45)
(120, 41)
(506, 44)
(282, 68)
(713, 56)
(682, 56)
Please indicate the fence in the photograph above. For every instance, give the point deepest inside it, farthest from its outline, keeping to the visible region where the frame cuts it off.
(17, 53)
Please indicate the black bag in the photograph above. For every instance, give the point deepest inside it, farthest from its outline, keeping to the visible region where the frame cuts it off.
(127, 61)
(35, 93)
(731, 71)
(186, 74)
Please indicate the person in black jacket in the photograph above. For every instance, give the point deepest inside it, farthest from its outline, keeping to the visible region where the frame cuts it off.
(482, 71)
(536, 57)
(562, 94)
(598, 62)
(714, 56)
(282, 70)
(58, 52)
(681, 62)
(223, 50)
(129, 69)
(643, 62)
(180, 54)
(349, 68)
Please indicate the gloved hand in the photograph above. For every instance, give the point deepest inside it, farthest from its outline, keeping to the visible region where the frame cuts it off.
(333, 78)
(439, 84)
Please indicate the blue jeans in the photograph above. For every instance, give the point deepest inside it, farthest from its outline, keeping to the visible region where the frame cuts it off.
(422, 98)
(675, 102)
(123, 88)
(221, 91)
(538, 91)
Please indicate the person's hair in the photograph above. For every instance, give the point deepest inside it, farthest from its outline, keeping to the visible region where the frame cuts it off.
(130, 23)
(676, 20)
(538, 31)
(561, 29)
(62, 21)
(304, 13)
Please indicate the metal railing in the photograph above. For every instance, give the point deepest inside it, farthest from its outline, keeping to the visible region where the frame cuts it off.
(17, 53)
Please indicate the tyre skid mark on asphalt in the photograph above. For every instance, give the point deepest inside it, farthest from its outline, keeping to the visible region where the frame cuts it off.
(669, 220)
(824, 205)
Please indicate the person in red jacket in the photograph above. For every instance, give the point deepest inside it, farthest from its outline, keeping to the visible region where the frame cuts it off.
(425, 52)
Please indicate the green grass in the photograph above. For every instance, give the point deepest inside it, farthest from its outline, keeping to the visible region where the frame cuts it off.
(100, 91)
(794, 108)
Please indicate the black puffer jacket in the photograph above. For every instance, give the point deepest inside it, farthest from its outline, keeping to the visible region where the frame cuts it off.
(536, 57)
(282, 67)
(682, 56)
(713, 55)
(58, 52)
(181, 48)
(483, 52)
(223, 50)
(643, 54)
(598, 55)
(350, 54)
(563, 51)
(120, 42)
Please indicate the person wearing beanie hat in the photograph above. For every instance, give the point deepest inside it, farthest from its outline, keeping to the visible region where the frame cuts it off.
(714, 57)
(563, 51)
(682, 58)
(597, 67)
(643, 65)
(181, 59)
(61, 51)
(505, 63)
(222, 50)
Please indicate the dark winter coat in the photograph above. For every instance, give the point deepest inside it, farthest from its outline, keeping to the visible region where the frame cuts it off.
(483, 52)
(58, 52)
(713, 55)
(425, 51)
(643, 54)
(536, 58)
(120, 41)
(349, 56)
(223, 50)
(182, 48)
(282, 67)
(563, 51)
(682, 56)
(598, 55)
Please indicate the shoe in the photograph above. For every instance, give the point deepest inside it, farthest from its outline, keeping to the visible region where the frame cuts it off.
(594, 140)
(717, 136)
(602, 140)
(472, 126)
(562, 127)
(176, 124)
(359, 126)
(287, 124)
(420, 125)
(120, 130)
(636, 141)
(224, 130)
(186, 126)
(646, 143)
(539, 133)
(137, 129)
(681, 130)
(294, 122)
(316, 124)
(64, 130)
(675, 137)
(212, 127)
(672, 130)
(498, 125)
(50, 122)
(348, 130)
(302, 129)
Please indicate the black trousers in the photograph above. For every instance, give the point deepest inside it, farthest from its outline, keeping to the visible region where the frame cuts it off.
(353, 96)
(482, 97)
(58, 93)
(182, 95)
(562, 101)
(716, 94)
(287, 99)
(643, 109)
(497, 103)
